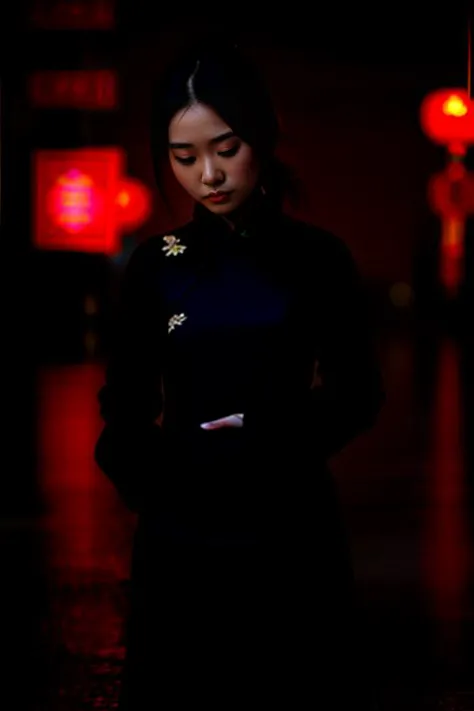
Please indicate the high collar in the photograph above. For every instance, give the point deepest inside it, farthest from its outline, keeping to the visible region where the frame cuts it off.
(254, 223)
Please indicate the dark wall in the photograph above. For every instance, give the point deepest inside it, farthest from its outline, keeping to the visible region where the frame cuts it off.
(348, 93)
(347, 84)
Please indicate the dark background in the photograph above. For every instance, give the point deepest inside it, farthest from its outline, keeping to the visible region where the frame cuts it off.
(348, 83)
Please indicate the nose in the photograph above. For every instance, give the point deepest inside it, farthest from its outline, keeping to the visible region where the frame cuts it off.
(212, 175)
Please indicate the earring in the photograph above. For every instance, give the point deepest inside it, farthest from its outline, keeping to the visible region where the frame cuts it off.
(262, 190)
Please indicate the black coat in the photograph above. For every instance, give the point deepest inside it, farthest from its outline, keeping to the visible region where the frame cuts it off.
(268, 320)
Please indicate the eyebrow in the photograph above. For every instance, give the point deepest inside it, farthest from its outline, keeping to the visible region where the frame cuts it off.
(217, 139)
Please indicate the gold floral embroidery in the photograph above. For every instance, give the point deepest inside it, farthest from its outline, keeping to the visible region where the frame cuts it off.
(172, 246)
(176, 320)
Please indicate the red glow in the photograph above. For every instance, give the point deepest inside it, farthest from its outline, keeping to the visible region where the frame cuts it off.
(84, 202)
(447, 117)
(452, 255)
(451, 196)
(451, 193)
(454, 106)
(87, 90)
(123, 198)
(75, 190)
(74, 14)
(134, 204)
(75, 199)
(76, 493)
(86, 530)
(446, 550)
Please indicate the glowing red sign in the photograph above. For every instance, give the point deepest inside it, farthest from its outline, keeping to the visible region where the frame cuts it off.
(87, 90)
(73, 203)
(84, 202)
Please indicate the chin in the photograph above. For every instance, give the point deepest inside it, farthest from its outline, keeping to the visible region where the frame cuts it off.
(221, 209)
(226, 208)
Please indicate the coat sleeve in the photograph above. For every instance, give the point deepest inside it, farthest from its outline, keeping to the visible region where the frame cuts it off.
(350, 391)
(129, 448)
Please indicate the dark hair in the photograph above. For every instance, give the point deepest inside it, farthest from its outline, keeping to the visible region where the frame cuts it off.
(224, 79)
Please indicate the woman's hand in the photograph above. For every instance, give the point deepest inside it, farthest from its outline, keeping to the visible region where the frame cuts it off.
(236, 420)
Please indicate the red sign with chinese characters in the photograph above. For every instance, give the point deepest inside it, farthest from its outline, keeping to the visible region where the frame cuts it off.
(84, 201)
(86, 90)
(74, 14)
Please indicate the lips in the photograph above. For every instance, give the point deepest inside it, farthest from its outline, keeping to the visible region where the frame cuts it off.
(218, 197)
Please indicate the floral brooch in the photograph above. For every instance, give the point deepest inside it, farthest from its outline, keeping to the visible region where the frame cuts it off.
(176, 320)
(172, 246)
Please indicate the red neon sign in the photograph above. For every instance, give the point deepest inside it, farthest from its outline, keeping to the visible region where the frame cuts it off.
(84, 202)
(87, 90)
(73, 203)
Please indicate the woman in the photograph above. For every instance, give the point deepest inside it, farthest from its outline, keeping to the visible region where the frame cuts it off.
(242, 363)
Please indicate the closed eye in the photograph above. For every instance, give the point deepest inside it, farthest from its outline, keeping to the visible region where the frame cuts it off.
(189, 160)
(231, 152)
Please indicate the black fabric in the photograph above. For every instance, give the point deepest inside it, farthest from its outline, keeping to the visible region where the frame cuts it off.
(239, 532)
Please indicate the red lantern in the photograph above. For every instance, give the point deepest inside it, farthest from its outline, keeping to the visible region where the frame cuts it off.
(451, 196)
(451, 193)
(447, 117)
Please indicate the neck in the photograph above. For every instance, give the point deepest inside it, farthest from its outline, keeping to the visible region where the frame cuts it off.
(255, 220)
(252, 206)
(256, 207)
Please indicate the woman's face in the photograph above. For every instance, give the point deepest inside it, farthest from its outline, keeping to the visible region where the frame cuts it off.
(216, 167)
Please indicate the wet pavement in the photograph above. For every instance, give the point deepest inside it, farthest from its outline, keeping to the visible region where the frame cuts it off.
(406, 489)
